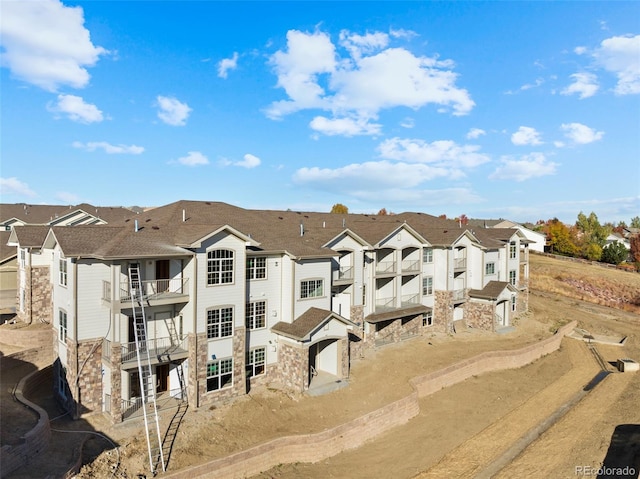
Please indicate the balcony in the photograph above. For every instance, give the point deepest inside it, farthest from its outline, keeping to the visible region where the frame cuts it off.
(343, 275)
(459, 264)
(458, 296)
(157, 291)
(385, 304)
(160, 350)
(410, 299)
(524, 256)
(385, 267)
(410, 266)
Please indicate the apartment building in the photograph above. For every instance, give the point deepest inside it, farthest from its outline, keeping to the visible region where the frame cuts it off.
(234, 298)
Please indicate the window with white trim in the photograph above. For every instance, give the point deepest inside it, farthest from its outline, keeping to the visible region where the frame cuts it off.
(512, 277)
(256, 314)
(219, 323)
(62, 382)
(512, 250)
(62, 325)
(427, 286)
(427, 255)
(489, 269)
(427, 319)
(219, 374)
(514, 303)
(219, 267)
(63, 272)
(311, 288)
(256, 360)
(257, 268)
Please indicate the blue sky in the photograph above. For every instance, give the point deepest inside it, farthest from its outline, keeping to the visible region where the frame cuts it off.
(520, 110)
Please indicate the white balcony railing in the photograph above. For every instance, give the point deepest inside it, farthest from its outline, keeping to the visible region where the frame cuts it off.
(156, 347)
(345, 273)
(386, 267)
(385, 303)
(156, 288)
(408, 299)
(459, 263)
(458, 294)
(410, 265)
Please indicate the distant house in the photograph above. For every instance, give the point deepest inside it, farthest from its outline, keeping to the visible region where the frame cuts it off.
(537, 241)
(8, 272)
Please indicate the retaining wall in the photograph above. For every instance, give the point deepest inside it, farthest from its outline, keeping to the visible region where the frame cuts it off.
(36, 440)
(316, 447)
(34, 339)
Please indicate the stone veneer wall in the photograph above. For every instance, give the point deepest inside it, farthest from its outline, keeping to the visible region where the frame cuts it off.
(480, 314)
(316, 447)
(293, 366)
(90, 381)
(116, 382)
(522, 303)
(356, 345)
(37, 302)
(343, 344)
(239, 386)
(442, 314)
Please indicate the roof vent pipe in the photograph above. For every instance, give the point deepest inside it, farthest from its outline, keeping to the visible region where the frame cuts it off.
(301, 229)
(184, 216)
(323, 224)
(344, 222)
(135, 226)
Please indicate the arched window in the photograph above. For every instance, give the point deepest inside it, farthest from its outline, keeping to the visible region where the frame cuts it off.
(220, 266)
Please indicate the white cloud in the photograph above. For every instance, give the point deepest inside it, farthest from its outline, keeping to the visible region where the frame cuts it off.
(75, 108)
(68, 198)
(227, 64)
(529, 86)
(109, 148)
(402, 33)
(249, 161)
(475, 133)
(443, 153)
(529, 166)
(46, 44)
(13, 186)
(408, 122)
(580, 50)
(621, 56)
(584, 84)
(172, 111)
(193, 158)
(526, 136)
(581, 134)
(344, 126)
(368, 77)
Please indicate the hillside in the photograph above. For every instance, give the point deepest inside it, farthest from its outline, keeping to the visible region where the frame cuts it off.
(585, 281)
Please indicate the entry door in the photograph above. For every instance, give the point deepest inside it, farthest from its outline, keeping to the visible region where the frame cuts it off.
(162, 378)
(162, 275)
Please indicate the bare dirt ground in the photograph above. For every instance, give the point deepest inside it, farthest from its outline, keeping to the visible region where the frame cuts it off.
(459, 430)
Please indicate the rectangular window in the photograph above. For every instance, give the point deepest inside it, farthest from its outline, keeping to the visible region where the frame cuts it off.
(312, 288)
(220, 266)
(427, 319)
(256, 314)
(489, 268)
(219, 323)
(364, 295)
(62, 325)
(512, 277)
(62, 382)
(256, 268)
(219, 374)
(427, 255)
(427, 286)
(256, 362)
(512, 250)
(514, 302)
(23, 258)
(63, 272)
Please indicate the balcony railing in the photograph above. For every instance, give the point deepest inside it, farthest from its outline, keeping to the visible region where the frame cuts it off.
(410, 265)
(156, 347)
(345, 273)
(385, 303)
(458, 295)
(524, 256)
(384, 267)
(152, 289)
(459, 263)
(408, 299)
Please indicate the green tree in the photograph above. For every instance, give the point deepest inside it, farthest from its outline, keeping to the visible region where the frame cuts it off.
(593, 236)
(635, 222)
(614, 253)
(340, 209)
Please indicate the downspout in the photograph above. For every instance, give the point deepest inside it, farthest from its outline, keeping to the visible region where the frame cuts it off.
(76, 413)
(194, 366)
(31, 288)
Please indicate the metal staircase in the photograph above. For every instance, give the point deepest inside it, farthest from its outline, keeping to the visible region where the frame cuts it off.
(147, 386)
